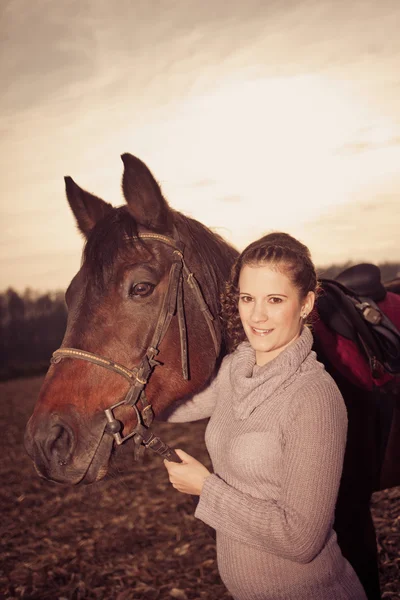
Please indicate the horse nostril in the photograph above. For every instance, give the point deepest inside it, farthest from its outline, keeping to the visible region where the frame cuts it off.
(59, 444)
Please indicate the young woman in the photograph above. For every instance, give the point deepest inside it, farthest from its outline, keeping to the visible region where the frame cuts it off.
(276, 438)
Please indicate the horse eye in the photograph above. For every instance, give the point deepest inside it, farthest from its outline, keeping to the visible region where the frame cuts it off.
(142, 289)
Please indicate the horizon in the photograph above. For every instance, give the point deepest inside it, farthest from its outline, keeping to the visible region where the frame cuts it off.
(36, 292)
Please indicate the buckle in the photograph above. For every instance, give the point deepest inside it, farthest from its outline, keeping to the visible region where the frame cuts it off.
(370, 314)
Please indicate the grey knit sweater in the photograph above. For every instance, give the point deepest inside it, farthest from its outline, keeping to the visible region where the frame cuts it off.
(276, 438)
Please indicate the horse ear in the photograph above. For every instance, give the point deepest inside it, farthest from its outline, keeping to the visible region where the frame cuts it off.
(87, 209)
(143, 195)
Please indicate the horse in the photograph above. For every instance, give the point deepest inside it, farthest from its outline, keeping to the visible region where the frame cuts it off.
(393, 285)
(371, 463)
(135, 260)
(372, 397)
(148, 294)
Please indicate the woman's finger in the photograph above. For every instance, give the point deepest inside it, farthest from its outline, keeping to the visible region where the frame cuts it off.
(183, 455)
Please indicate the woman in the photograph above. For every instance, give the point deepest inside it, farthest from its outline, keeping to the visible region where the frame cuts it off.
(276, 438)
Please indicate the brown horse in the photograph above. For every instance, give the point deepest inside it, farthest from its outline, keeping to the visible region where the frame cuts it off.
(393, 285)
(131, 272)
(125, 300)
(367, 467)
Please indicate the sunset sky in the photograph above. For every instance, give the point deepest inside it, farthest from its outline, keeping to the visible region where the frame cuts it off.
(253, 116)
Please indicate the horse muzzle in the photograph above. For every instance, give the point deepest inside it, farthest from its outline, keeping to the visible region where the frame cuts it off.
(65, 451)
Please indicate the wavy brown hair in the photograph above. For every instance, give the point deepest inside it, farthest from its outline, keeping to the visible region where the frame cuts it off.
(283, 252)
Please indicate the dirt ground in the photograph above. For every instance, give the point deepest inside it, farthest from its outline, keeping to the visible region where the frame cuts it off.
(129, 537)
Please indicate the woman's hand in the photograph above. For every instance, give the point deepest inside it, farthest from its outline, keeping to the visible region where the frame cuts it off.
(187, 477)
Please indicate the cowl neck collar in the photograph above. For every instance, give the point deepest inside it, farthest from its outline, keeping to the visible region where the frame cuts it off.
(251, 385)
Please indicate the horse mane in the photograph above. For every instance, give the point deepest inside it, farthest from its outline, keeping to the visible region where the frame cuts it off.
(107, 241)
(216, 254)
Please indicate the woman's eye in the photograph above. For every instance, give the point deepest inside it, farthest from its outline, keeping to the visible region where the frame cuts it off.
(246, 299)
(142, 289)
(275, 300)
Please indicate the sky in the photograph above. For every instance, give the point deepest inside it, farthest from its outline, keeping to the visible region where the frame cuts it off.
(253, 116)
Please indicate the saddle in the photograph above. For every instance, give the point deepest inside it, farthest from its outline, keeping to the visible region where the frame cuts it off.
(364, 280)
(349, 306)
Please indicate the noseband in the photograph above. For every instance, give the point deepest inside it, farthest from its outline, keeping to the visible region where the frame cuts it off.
(138, 376)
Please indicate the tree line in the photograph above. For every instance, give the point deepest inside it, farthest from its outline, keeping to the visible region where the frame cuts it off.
(32, 324)
(388, 270)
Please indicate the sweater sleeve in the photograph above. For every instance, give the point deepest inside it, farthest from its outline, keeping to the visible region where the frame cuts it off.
(198, 407)
(296, 525)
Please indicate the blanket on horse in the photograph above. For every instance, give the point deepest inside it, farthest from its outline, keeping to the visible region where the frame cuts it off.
(349, 335)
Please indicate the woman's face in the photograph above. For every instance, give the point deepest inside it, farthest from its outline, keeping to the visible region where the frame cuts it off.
(270, 309)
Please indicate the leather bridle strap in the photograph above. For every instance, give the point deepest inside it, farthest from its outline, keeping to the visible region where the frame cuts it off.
(148, 361)
(129, 374)
(191, 280)
(182, 331)
(138, 376)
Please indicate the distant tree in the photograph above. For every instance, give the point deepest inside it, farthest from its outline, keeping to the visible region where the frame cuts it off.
(44, 304)
(29, 298)
(31, 327)
(333, 271)
(3, 309)
(3, 315)
(388, 270)
(16, 306)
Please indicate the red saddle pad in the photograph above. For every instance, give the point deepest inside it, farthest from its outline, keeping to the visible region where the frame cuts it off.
(345, 354)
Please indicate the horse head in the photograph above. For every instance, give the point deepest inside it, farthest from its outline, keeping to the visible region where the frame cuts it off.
(144, 305)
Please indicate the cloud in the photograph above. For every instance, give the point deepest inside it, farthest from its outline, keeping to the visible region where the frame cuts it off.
(38, 55)
(232, 199)
(202, 183)
(73, 50)
(362, 231)
(365, 146)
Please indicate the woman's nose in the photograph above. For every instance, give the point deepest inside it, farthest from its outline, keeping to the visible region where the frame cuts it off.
(260, 312)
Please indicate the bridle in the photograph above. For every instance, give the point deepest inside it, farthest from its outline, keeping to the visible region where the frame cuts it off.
(138, 376)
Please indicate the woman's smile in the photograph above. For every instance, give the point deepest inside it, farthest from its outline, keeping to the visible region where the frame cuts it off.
(262, 332)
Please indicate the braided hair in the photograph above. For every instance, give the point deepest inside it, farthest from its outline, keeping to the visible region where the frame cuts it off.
(278, 250)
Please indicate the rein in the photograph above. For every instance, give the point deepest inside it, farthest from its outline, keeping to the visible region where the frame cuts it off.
(138, 376)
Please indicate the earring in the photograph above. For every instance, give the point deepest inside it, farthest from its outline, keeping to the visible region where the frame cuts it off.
(304, 315)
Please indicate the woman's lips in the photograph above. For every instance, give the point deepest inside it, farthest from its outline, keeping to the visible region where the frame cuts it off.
(261, 332)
